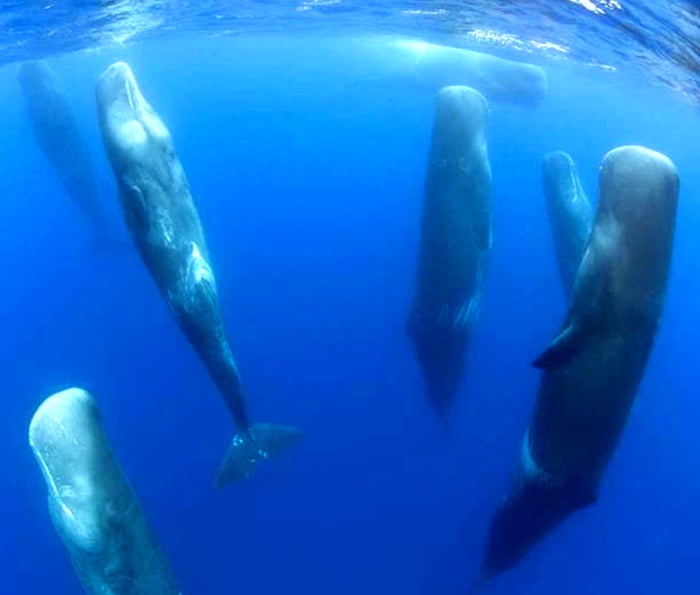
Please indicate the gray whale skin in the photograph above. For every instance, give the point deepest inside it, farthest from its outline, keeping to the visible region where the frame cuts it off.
(165, 226)
(455, 240)
(92, 505)
(592, 370)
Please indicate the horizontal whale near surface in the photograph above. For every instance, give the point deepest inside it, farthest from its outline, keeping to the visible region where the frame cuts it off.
(430, 67)
(92, 505)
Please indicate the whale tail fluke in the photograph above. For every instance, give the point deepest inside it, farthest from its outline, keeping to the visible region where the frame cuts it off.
(257, 443)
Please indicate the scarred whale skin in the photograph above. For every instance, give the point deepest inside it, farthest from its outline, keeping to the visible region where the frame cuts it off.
(455, 241)
(592, 370)
(165, 226)
(570, 214)
(60, 140)
(92, 505)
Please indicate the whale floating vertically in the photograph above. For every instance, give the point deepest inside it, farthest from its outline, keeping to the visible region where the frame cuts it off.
(591, 371)
(455, 241)
(92, 506)
(164, 224)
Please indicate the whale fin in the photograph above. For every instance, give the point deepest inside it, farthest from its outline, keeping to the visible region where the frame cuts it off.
(562, 349)
(257, 443)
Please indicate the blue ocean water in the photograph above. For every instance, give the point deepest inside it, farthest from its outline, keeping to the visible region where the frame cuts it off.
(308, 175)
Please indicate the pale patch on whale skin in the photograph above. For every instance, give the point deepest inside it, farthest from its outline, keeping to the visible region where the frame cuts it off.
(92, 505)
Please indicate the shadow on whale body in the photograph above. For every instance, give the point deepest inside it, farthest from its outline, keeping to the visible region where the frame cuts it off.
(592, 370)
(164, 224)
(455, 240)
(58, 136)
(93, 508)
(570, 214)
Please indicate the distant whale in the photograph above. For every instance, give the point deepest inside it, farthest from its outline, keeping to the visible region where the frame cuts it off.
(92, 505)
(455, 241)
(59, 138)
(592, 370)
(165, 227)
(430, 67)
(570, 214)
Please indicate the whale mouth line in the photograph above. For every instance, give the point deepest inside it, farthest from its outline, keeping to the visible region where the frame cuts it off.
(129, 95)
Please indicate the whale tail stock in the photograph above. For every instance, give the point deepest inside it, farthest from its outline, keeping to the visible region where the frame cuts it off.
(256, 443)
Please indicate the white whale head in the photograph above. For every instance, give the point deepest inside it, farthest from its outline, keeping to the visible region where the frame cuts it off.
(92, 505)
(68, 441)
(128, 120)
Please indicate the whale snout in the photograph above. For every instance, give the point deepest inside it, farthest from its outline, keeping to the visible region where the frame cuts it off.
(69, 444)
(640, 186)
(128, 123)
(461, 114)
(117, 90)
(61, 434)
(459, 100)
(558, 164)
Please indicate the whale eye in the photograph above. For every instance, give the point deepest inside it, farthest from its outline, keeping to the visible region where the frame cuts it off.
(135, 208)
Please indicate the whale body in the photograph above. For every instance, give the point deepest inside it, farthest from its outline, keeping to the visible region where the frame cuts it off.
(165, 226)
(92, 506)
(592, 369)
(455, 241)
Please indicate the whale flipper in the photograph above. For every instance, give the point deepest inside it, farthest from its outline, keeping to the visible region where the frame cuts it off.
(258, 443)
(562, 349)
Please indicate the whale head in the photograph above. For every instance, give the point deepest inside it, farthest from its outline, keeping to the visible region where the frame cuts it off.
(129, 124)
(559, 176)
(69, 444)
(639, 187)
(460, 118)
(637, 212)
